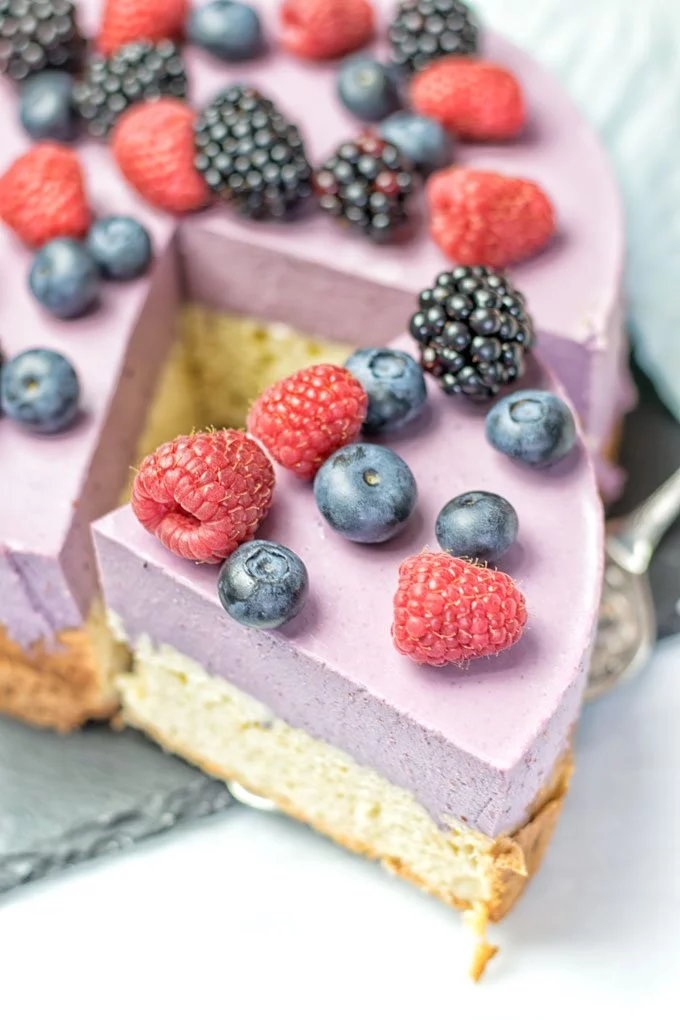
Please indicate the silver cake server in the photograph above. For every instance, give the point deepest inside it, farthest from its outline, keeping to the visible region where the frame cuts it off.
(626, 631)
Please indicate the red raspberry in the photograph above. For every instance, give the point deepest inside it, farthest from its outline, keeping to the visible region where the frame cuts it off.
(325, 29)
(477, 100)
(449, 610)
(153, 144)
(305, 418)
(42, 195)
(205, 494)
(478, 217)
(126, 21)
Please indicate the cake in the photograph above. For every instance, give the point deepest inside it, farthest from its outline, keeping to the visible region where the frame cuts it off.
(451, 778)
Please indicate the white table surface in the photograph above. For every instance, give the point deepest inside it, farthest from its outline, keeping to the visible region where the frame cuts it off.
(252, 916)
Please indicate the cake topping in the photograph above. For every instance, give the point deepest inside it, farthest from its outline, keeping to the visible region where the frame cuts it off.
(367, 88)
(203, 495)
(42, 195)
(227, 29)
(474, 331)
(366, 493)
(39, 390)
(153, 145)
(303, 419)
(478, 526)
(64, 278)
(426, 29)
(481, 216)
(447, 610)
(395, 386)
(127, 21)
(263, 585)
(120, 246)
(36, 34)
(422, 141)
(532, 426)
(325, 29)
(475, 99)
(46, 108)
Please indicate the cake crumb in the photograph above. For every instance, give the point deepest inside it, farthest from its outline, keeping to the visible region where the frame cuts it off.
(477, 919)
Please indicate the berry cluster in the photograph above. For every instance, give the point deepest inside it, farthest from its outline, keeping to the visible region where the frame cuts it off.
(38, 34)
(424, 30)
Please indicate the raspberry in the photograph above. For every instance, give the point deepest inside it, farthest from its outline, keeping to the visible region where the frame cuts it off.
(476, 100)
(42, 195)
(153, 144)
(125, 21)
(449, 610)
(485, 218)
(203, 495)
(325, 29)
(305, 418)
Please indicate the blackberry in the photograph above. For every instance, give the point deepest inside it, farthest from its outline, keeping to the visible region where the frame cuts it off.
(251, 155)
(138, 71)
(366, 184)
(37, 34)
(424, 30)
(474, 331)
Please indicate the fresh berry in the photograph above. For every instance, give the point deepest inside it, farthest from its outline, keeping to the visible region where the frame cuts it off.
(39, 390)
(46, 107)
(37, 34)
(475, 99)
(136, 72)
(423, 142)
(229, 30)
(153, 145)
(205, 494)
(366, 493)
(448, 610)
(127, 21)
(474, 331)
(326, 29)
(477, 526)
(367, 88)
(42, 195)
(306, 417)
(64, 278)
(395, 386)
(263, 585)
(481, 216)
(366, 185)
(532, 426)
(251, 155)
(424, 30)
(120, 246)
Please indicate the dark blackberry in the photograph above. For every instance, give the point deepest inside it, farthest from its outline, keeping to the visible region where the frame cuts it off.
(251, 155)
(424, 30)
(37, 34)
(474, 331)
(366, 184)
(135, 72)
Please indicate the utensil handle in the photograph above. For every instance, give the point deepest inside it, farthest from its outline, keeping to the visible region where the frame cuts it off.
(637, 536)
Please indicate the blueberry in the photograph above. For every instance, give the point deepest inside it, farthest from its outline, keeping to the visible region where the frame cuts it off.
(229, 30)
(64, 278)
(46, 108)
(366, 493)
(395, 385)
(120, 246)
(367, 88)
(263, 585)
(533, 426)
(39, 389)
(477, 526)
(423, 141)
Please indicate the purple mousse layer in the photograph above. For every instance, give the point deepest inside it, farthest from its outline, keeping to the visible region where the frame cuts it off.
(310, 275)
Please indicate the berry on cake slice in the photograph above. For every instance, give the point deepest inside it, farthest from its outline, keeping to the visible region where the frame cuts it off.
(486, 217)
(153, 144)
(42, 195)
(447, 610)
(127, 21)
(325, 29)
(532, 426)
(366, 493)
(475, 99)
(64, 278)
(204, 495)
(40, 391)
(304, 418)
(46, 107)
(263, 585)
(227, 29)
(367, 88)
(120, 246)
(395, 386)
(422, 141)
(39, 34)
(423, 30)
(478, 526)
